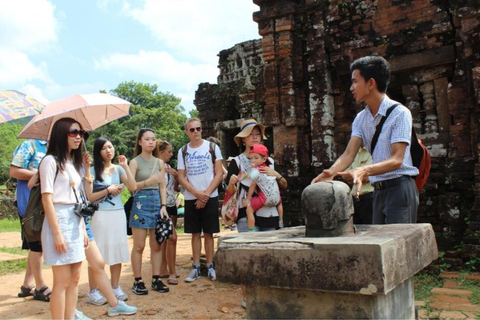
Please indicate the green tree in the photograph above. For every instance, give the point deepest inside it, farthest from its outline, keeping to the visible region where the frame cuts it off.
(8, 143)
(150, 108)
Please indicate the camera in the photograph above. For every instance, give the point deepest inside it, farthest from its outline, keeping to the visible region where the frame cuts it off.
(85, 210)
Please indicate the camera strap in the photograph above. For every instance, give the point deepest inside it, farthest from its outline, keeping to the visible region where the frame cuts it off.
(72, 184)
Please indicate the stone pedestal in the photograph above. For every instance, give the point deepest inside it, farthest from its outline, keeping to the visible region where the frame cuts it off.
(364, 276)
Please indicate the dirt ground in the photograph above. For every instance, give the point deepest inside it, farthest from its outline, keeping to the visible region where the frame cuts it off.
(202, 299)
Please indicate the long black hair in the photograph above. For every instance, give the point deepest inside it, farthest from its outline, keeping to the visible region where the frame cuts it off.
(58, 144)
(97, 158)
(138, 147)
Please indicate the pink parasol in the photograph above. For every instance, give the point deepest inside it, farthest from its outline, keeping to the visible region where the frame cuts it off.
(90, 110)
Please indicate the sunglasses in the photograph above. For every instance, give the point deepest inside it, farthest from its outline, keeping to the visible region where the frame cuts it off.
(195, 129)
(75, 132)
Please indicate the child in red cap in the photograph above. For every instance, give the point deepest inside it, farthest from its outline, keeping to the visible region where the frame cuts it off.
(268, 193)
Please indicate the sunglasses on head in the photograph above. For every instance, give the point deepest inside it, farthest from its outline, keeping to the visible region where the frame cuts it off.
(75, 132)
(195, 129)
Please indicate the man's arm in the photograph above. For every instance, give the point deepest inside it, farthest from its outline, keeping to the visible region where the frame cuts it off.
(393, 163)
(19, 173)
(343, 162)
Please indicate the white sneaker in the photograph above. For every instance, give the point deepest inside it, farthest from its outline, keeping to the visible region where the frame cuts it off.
(121, 308)
(193, 275)
(212, 275)
(119, 294)
(80, 316)
(96, 298)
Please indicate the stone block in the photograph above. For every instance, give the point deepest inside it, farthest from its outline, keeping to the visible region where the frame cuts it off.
(375, 260)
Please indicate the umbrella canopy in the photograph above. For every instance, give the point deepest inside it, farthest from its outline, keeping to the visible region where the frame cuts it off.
(90, 110)
(16, 105)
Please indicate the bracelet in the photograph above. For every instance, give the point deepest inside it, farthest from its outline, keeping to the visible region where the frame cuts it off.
(108, 192)
(279, 178)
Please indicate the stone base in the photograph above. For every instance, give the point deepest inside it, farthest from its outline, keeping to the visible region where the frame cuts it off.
(280, 303)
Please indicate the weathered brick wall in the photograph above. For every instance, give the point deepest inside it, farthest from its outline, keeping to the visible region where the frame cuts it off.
(434, 51)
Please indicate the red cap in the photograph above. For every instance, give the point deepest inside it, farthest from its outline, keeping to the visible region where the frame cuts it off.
(260, 149)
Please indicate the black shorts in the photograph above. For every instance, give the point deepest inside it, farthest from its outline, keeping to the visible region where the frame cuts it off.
(172, 211)
(35, 246)
(205, 219)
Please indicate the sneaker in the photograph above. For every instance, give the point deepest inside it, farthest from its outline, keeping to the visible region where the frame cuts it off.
(139, 287)
(212, 275)
(193, 275)
(95, 297)
(80, 316)
(159, 286)
(121, 308)
(119, 294)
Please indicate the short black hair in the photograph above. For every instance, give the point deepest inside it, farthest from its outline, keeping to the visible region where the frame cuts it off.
(374, 67)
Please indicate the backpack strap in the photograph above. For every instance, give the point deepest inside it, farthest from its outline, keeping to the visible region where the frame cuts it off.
(211, 148)
(378, 129)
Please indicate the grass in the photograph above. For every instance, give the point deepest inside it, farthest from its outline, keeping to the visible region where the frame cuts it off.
(423, 284)
(9, 225)
(16, 266)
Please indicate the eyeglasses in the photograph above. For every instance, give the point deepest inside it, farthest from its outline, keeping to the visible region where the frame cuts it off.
(75, 132)
(253, 135)
(195, 129)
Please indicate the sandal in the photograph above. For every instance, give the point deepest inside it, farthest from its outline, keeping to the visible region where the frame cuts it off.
(167, 276)
(26, 292)
(172, 281)
(40, 294)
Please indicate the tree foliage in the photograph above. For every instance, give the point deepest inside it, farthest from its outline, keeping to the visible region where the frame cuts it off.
(8, 143)
(150, 108)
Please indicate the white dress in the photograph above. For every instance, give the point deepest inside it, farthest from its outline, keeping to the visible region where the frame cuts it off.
(109, 224)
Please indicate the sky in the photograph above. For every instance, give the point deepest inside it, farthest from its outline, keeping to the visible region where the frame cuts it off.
(54, 49)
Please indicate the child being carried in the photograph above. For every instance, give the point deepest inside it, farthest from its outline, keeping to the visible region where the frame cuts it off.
(268, 193)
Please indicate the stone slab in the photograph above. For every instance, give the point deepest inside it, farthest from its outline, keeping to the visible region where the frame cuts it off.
(459, 292)
(372, 262)
(275, 303)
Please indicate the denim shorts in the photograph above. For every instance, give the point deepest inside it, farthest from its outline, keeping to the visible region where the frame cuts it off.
(145, 209)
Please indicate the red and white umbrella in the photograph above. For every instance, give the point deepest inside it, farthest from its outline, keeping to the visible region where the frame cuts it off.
(90, 110)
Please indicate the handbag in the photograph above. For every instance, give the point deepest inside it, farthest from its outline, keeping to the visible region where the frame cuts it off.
(163, 229)
(229, 210)
(128, 208)
(32, 221)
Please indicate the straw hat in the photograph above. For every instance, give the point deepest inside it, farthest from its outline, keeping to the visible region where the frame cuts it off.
(246, 128)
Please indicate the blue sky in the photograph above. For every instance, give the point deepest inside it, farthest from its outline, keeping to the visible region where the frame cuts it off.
(54, 49)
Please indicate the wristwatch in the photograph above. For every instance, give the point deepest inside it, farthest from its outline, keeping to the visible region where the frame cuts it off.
(279, 178)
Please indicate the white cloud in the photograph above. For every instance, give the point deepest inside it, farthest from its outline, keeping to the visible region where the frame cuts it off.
(34, 92)
(160, 67)
(198, 29)
(16, 69)
(27, 25)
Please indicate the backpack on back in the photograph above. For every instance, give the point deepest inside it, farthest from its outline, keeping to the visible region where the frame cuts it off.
(419, 153)
(32, 221)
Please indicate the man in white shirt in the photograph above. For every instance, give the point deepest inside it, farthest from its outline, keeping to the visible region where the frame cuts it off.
(200, 172)
(392, 172)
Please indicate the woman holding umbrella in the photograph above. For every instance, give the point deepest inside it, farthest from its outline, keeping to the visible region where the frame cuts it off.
(64, 236)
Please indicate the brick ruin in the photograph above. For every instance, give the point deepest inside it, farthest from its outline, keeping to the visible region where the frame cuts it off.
(296, 80)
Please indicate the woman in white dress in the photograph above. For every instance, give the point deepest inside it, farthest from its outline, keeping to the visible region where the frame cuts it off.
(108, 224)
(64, 237)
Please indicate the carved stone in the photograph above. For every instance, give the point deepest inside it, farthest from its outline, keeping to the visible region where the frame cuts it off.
(327, 208)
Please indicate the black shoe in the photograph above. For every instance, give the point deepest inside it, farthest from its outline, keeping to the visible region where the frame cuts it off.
(139, 288)
(159, 286)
